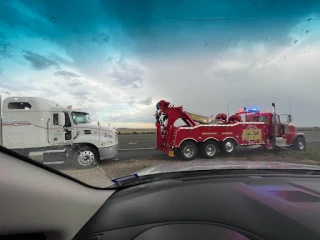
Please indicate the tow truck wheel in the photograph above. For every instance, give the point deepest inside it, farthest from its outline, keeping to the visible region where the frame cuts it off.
(299, 144)
(209, 149)
(228, 146)
(85, 157)
(188, 150)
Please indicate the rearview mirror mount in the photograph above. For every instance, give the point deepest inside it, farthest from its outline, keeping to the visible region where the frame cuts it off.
(61, 119)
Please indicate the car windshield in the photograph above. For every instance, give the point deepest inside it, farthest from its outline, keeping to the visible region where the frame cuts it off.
(80, 117)
(167, 86)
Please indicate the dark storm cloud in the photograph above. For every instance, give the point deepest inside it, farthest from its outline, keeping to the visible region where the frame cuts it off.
(59, 59)
(6, 12)
(4, 45)
(63, 73)
(157, 27)
(39, 62)
(135, 17)
(100, 38)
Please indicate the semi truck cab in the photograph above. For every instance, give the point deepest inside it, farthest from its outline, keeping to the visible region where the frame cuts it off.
(50, 133)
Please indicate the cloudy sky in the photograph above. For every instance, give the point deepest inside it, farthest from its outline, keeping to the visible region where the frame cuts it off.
(117, 58)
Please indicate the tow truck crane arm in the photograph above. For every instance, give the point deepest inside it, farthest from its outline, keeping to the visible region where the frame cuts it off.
(173, 113)
(199, 118)
(163, 106)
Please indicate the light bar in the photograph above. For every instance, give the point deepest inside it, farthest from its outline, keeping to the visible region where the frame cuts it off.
(245, 110)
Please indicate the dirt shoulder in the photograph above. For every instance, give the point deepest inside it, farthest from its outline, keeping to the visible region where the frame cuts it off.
(114, 169)
(101, 175)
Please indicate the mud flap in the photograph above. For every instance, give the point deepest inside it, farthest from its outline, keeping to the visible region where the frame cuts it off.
(171, 153)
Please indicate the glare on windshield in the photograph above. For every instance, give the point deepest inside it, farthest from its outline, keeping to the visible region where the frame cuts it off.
(79, 117)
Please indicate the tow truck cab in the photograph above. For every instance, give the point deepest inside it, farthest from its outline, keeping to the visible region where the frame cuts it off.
(285, 130)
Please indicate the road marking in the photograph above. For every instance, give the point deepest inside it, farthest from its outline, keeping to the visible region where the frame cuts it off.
(135, 149)
(132, 143)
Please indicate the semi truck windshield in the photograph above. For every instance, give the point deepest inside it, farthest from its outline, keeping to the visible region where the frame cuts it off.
(80, 117)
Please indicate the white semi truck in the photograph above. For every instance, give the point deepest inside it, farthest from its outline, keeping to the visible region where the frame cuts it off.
(44, 131)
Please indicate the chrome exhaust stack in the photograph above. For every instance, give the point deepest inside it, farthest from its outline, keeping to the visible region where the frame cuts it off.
(274, 125)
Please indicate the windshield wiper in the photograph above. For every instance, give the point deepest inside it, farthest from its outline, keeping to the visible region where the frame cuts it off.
(135, 179)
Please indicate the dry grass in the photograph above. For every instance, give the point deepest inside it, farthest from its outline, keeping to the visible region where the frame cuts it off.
(309, 156)
(312, 154)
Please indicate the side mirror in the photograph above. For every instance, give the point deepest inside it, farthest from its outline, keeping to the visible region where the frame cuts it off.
(289, 118)
(61, 119)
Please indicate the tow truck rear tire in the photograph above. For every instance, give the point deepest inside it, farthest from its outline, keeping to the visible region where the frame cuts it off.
(188, 150)
(299, 143)
(228, 146)
(209, 149)
(85, 157)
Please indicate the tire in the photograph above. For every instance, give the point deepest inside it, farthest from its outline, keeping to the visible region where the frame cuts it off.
(299, 143)
(228, 146)
(85, 157)
(188, 150)
(209, 149)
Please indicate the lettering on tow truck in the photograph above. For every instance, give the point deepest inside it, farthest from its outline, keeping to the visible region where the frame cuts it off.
(226, 133)
(252, 134)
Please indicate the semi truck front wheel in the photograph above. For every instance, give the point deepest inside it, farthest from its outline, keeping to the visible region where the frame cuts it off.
(299, 143)
(85, 157)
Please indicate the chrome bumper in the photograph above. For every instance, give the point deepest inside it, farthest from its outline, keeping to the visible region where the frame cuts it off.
(108, 152)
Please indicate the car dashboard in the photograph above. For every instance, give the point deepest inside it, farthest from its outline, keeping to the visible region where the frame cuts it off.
(215, 207)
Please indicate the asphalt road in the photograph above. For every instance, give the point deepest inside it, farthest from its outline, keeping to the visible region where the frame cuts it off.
(141, 146)
(137, 146)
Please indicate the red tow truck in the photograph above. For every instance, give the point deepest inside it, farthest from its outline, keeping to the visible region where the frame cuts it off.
(205, 136)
